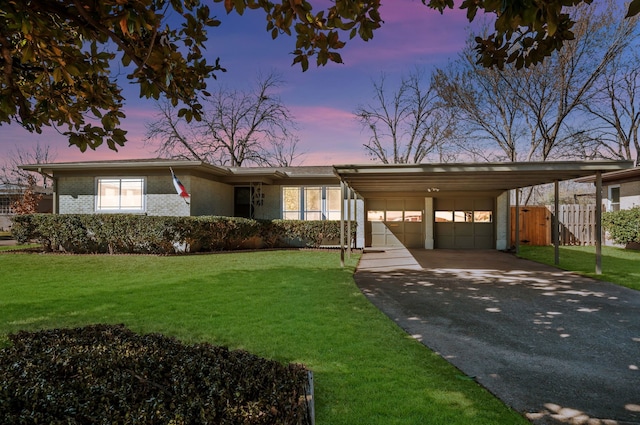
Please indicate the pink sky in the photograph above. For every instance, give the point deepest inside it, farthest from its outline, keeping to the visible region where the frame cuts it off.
(322, 99)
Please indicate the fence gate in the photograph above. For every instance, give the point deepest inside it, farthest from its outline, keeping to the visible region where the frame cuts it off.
(535, 226)
(577, 225)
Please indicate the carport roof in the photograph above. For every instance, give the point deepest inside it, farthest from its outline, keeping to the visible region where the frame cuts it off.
(367, 179)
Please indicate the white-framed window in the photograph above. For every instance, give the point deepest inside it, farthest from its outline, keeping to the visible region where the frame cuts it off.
(395, 215)
(614, 198)
(311, 202)
(5, 205)
(120, 194)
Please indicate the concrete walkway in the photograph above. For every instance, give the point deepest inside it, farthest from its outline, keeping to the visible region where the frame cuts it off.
(7, 242)
(557, 347)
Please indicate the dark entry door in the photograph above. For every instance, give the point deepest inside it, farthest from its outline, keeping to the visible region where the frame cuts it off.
(242, 202)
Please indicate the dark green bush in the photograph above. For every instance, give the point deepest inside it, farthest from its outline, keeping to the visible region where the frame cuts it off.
(23, 228)
(107, 374)
(310, 233)
(623, 226)
(130, 233)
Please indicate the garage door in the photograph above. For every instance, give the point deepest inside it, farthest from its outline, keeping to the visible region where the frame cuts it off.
(464, 223)
(396, 222)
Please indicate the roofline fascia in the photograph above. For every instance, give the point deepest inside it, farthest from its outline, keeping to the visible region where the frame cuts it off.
(603, 166)
(108, 165)
(613, 176)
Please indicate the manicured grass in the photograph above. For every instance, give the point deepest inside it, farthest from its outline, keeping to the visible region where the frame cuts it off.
(620, 266)
(15, 247)
(291, 306)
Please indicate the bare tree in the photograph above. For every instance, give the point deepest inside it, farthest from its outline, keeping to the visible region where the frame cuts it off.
(536, 113)
(10, 172)
(237, 127)
(284, 152)
(555, 91)
(406, 125)
(617, 106)
(490, 119)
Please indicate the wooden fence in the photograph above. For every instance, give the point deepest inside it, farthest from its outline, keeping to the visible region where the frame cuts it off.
(577, 225)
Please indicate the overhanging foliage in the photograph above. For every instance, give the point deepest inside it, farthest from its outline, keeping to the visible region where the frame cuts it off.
(57, 56)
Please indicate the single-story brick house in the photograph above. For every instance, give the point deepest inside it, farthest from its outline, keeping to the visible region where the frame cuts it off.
(454, 206)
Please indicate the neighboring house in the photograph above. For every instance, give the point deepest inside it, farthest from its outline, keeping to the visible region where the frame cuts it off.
(620, 189)
(456, 206)
(10, 193)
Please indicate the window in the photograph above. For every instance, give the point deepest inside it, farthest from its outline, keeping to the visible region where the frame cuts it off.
(477, 216)
(378, 215)
(614, 198)
(311, 203)
(463, 216)
(375, 215)
(120, 194)
(394, 215)
(415, 216)
(333, 203)
(444, 216)
(5, 206)
(291, 208)
(483, 216)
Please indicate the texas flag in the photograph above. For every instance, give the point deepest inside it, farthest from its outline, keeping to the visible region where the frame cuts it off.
(179, 186)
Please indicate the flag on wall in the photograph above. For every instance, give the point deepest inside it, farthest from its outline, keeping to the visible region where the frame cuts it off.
(179, 187)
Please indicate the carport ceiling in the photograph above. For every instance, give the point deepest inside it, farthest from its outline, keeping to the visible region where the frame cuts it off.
(477, 177)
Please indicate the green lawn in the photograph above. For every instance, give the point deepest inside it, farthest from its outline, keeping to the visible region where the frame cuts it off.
(15, 247)
(620, 266)
(292, 306)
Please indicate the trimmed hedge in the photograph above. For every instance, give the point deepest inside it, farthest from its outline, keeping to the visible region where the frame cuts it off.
(129, 233)
(623, 226)
(105, 374)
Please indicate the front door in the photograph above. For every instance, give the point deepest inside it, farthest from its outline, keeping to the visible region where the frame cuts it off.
(242, 202)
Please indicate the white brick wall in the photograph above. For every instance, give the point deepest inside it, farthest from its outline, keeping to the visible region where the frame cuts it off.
(76, 195)
(629, 195)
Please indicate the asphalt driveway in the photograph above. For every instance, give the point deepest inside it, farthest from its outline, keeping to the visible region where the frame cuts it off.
(557, 347)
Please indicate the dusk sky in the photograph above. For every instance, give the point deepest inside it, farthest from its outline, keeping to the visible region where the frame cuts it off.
(322, 100)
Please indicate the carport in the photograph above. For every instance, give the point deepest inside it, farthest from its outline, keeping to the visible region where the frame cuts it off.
(468, 185)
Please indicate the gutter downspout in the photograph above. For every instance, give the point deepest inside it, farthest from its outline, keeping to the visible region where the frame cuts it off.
(342, 213)
(599, 222)
(556, 223)
(517, 241)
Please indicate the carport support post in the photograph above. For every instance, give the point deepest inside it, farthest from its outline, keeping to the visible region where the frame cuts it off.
(556, 223)
(599, 222)
(348, 238)
(342, 193)
(517, 241)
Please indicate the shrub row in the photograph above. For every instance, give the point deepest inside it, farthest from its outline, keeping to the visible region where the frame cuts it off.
(106, 374)
(623, 226)
(129, 233)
